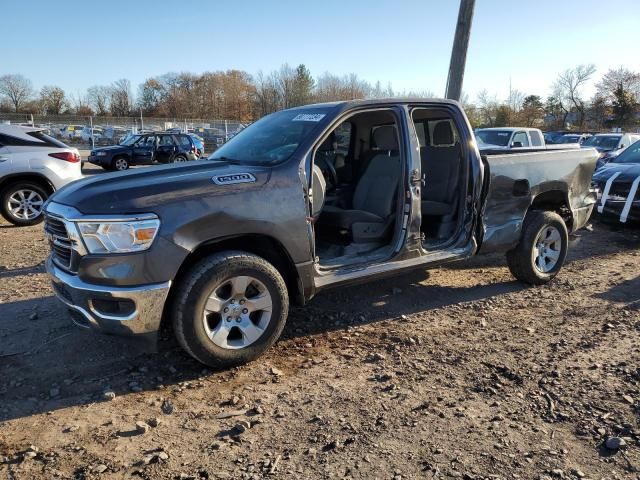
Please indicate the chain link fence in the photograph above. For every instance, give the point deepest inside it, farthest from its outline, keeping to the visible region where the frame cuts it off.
(101, 130)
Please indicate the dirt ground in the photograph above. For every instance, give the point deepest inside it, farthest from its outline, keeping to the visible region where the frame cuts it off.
(455, 372)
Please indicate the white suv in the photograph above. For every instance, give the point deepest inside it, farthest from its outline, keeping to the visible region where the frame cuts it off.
(32, 166)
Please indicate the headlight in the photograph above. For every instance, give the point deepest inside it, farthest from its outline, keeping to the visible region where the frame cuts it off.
(118, 237)
(101, 154)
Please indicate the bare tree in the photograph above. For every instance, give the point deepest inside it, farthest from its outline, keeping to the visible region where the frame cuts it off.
(98, 97)
(487, 105)
(515, 99)
(80, 104)
(267, 96)
(568, 88)
(286, 85)
(17, 89)
(120, 101)
(52, 99)
(615, 78)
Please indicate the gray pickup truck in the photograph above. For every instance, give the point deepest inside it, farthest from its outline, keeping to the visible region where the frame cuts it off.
(302, 200)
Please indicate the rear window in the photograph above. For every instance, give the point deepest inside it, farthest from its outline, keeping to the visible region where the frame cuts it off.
(184, 140)
(494, 137)
(536, 138)
(39, 140)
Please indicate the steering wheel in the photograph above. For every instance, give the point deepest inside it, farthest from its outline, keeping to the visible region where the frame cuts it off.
(329, 171)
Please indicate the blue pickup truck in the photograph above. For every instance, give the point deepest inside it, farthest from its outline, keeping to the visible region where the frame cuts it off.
(145, 149)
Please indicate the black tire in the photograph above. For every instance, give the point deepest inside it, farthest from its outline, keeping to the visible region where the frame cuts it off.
(120, 164)
(521, 261)
(193, 293)
(179, 159)
(13, 189)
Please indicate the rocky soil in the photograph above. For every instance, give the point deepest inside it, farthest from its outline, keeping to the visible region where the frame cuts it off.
(457, 372)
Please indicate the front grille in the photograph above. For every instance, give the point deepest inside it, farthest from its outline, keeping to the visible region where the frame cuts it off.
(59, 240)
(620, 189)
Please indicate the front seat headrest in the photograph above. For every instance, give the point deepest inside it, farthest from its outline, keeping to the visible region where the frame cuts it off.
(442, 134)
(385, 138)
(319, 186)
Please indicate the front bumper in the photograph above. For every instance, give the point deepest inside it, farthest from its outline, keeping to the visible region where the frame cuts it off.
(99, 160)
(87, 302)
(614, 209)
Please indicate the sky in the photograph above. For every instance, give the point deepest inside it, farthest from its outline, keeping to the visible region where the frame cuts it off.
(77, 44)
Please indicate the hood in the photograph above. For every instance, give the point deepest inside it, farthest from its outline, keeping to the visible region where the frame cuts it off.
(628, 172)
(110, 148)
(142, 189)
(599, 149)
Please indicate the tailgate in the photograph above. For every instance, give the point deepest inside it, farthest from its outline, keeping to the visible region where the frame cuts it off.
(515, 180)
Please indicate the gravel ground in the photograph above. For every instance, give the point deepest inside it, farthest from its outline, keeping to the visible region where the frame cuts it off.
(455, 372)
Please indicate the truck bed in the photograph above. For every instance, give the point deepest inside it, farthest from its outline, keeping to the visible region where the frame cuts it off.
(516, 180)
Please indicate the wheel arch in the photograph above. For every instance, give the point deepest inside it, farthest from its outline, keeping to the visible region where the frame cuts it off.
(554, 200)
(37, 178)
(261, 245)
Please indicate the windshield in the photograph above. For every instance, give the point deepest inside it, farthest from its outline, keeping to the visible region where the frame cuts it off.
(130, 140)
(271, 139)
(494, 137)
(629, 155)
(608, 142)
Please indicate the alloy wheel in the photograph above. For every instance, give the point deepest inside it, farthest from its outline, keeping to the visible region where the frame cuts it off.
(25, 204)
(546, 249)
(237, 312)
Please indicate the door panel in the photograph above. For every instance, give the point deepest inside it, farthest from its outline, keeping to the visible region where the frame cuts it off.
(143, 150)
(6, 165)
(166, 148)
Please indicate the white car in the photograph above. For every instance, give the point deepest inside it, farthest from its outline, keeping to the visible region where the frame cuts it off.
(85, 134)
(32, 166)
(510, 138)
(71, 132)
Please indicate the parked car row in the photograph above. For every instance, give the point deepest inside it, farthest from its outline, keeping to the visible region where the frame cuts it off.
(146, 149)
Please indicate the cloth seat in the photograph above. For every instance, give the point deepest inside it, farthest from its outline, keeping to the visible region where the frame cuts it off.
(374, 197)
(441, 165)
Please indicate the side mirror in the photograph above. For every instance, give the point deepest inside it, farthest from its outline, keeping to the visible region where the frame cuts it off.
(620, 147)
(516, 144)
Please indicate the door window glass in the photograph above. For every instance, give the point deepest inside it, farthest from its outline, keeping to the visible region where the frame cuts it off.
(166, 141)
(520, 137)
(536, 138)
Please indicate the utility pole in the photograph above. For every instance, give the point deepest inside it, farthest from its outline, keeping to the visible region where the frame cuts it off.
(459, 50)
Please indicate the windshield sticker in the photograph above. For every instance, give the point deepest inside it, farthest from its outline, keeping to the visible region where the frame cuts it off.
(308, 117)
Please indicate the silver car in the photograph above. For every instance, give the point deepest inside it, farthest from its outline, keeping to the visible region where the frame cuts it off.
(33, 165)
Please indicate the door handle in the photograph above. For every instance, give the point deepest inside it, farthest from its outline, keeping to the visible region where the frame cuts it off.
(3, 158)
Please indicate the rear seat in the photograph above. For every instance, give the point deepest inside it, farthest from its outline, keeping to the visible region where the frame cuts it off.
(441, 166)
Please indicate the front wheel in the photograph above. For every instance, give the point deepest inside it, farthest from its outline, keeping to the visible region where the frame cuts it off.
(22, 203)
(542, 249)
(120, 164)
(230, 308)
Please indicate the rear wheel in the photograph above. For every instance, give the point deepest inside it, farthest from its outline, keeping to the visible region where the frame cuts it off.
(120, 163)
(542, 249)
(180, 158)
(230, 308)
(22, 203)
